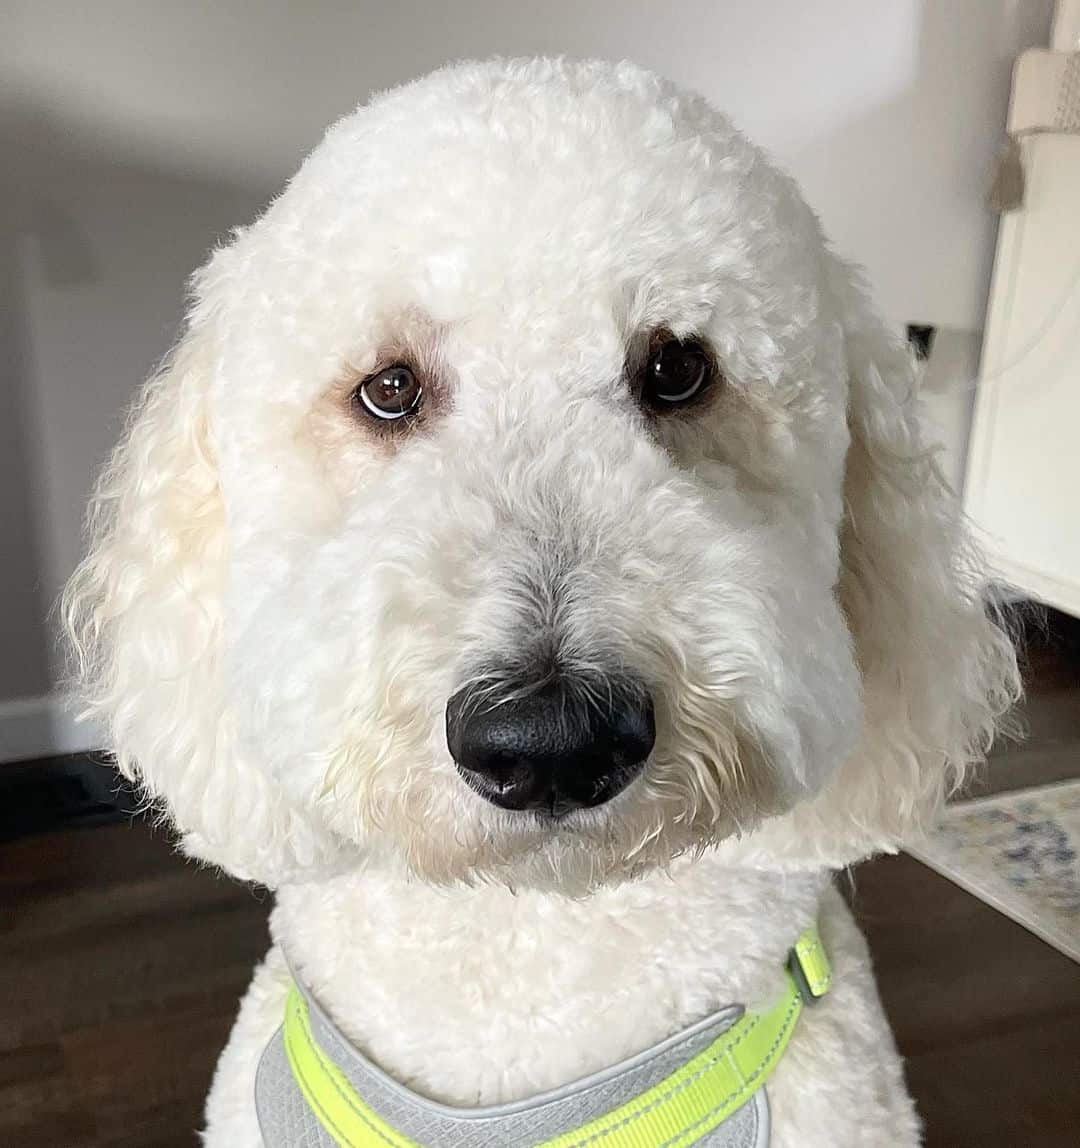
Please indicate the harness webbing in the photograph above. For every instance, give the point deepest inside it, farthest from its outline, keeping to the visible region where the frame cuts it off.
(675, 1112)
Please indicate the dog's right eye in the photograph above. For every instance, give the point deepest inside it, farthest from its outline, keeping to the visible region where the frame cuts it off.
(676, 373)
(392, 393)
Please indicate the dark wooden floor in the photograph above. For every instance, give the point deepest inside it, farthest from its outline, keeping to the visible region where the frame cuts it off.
(121, 967)
(986, 1015)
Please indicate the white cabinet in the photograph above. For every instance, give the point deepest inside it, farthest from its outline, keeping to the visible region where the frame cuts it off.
(1023, 473)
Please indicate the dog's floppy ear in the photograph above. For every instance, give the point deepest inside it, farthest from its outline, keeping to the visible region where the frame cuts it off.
(143, 617)
(937, 667)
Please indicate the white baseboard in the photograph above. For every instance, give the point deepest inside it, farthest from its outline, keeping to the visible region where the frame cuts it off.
(43, 727)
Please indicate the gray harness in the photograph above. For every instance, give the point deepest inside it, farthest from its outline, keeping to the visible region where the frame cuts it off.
(286, 1119)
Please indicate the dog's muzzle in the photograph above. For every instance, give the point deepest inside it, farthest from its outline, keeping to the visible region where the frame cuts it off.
(554, 748)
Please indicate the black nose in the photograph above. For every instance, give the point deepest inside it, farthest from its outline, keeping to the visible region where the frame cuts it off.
(559, 747)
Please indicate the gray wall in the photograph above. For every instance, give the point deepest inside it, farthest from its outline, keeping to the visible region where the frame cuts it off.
(94, 254)
(134, 135)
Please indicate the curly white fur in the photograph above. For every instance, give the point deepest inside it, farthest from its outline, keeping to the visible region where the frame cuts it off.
(278, 602)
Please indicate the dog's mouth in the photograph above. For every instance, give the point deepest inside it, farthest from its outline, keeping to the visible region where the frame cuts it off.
(550, 793)
(554, 749)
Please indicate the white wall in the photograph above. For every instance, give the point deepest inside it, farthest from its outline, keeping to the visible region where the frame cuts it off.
(888, 112)
(140, 132)
(947, 386)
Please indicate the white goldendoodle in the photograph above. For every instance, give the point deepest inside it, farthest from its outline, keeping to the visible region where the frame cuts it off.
(527, 565)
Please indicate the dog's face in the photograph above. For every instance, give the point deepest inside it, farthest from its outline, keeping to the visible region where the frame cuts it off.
(511, 444)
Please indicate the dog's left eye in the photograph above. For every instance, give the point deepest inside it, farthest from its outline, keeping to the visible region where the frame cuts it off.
(391, 393)
(675, 373)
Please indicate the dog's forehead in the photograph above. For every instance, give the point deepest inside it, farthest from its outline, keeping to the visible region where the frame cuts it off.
(529, 194)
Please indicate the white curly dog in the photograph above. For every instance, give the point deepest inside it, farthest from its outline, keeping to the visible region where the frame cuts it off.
(528, 566)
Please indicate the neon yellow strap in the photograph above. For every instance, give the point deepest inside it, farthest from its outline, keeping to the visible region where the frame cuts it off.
(676, 1112)
(339, 1107)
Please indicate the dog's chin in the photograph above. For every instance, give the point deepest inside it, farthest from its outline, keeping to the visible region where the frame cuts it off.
(430, 825)
(574, 853)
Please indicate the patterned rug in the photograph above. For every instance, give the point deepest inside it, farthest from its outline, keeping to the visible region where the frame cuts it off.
(1020, 853)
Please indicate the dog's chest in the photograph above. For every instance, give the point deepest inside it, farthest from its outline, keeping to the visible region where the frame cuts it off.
(481, 997)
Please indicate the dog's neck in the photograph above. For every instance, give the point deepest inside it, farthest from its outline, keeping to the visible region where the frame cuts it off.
(480, 995)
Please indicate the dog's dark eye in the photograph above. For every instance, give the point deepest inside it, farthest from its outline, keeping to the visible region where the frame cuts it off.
(676, 373)
(391, 393)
